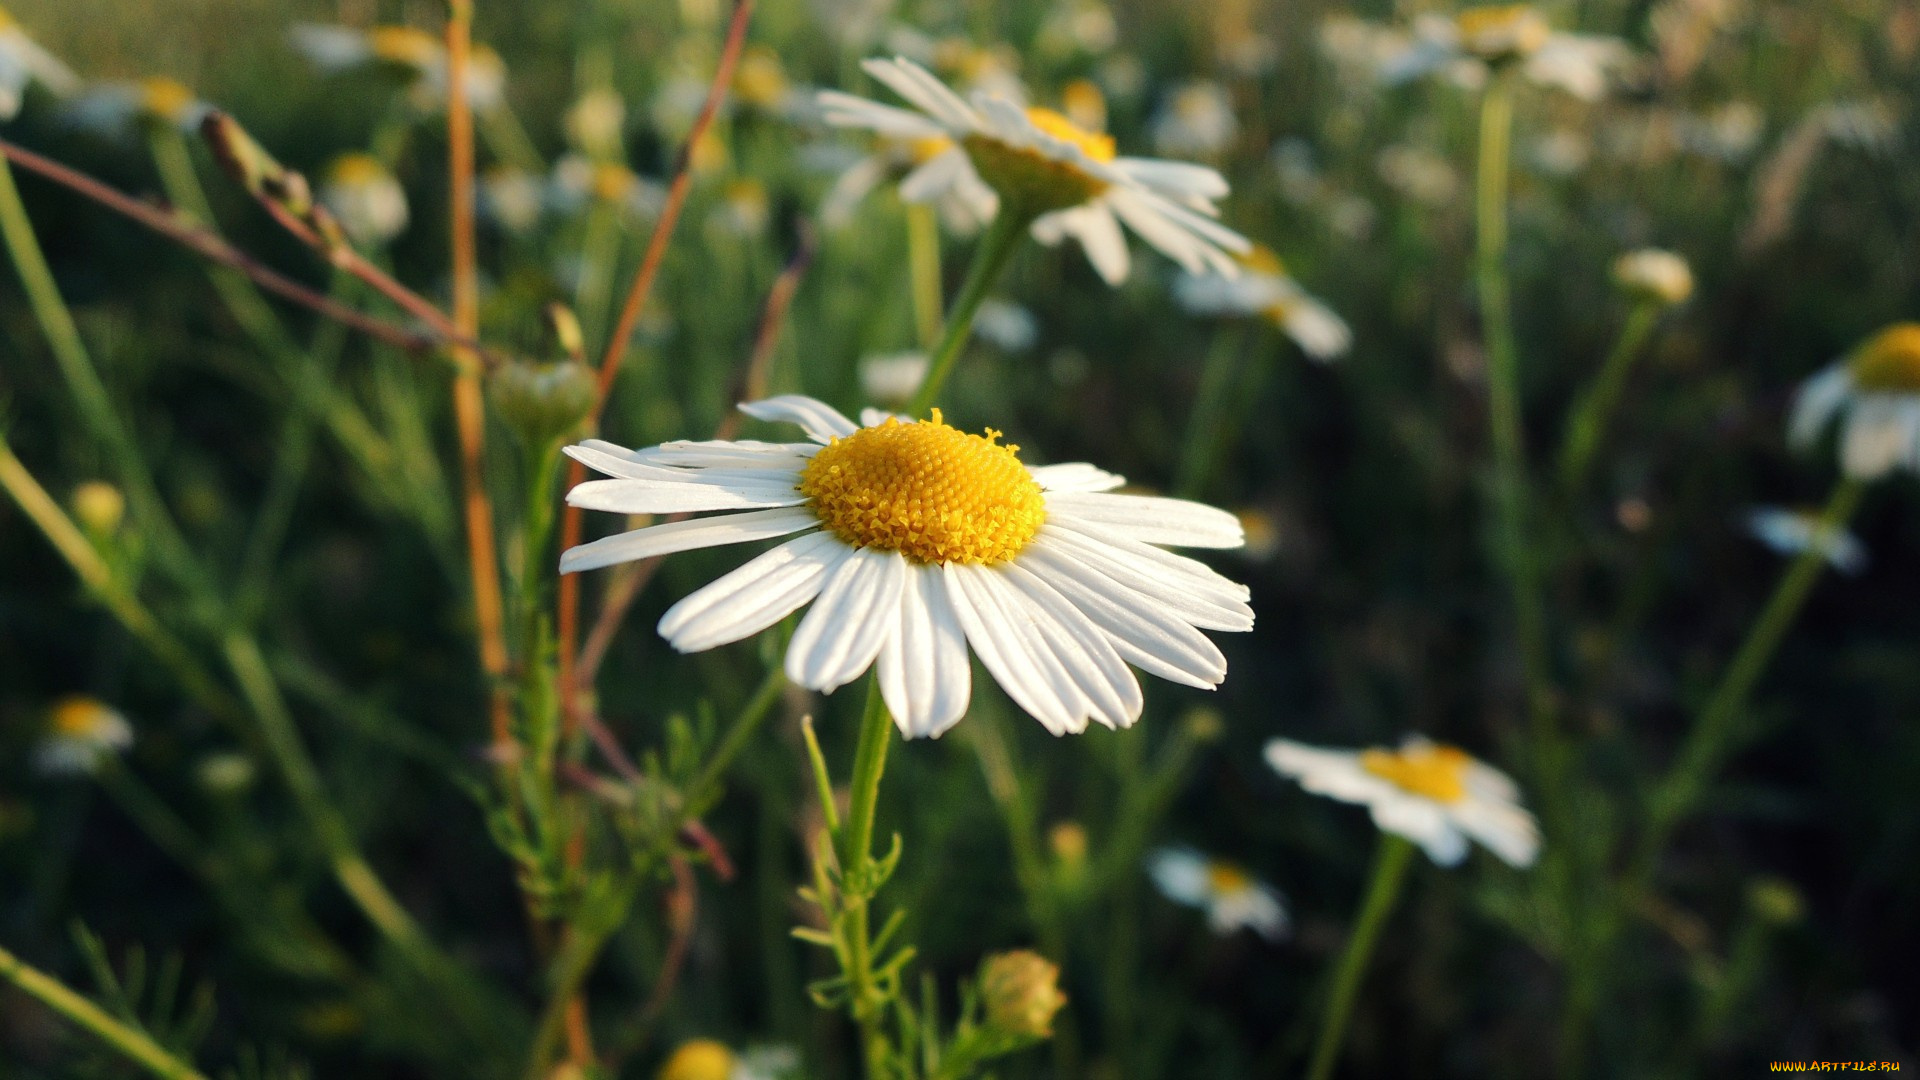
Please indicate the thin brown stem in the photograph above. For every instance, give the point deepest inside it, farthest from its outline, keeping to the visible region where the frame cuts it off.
(568, 606)
(206, 244)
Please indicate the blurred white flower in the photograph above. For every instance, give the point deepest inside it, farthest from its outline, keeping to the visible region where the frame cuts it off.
(1196, 120)
(1263, 288)
(416, 53)
(892, 378)
(744, 209)
(23, 61)
(1463, 47)
(114, 108)
(81, 734)
(1875, 394)
(1728, 132)
(365, 198)
(1562, 151)
(1794, 532)
(578, 182)
(1071, 178)
(1005, 325)
(1655, 275)
(928, 172)
(1232, 898)
(511, 198)
(596, 123)
(1418, 174)
(1436, 796)
(1078, 26)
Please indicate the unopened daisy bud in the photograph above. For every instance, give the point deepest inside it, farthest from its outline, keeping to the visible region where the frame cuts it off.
(1204, 725)
(365, 198)
(1021, 991)
(566, 330)
(1069, 843)
(1654, 276)
(225, 773)
(99, 507)
(542, 402)
(1502, 32)
(82, 733)
(250, 166)
(698, 1059)
(595, 122)
(1776, 901)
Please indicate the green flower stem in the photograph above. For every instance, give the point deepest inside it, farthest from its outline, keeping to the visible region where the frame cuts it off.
(1712, 735)
(1207, 428)
(599, 256)
(1002, 239)
(1389, 872)
(856, 864)
(1596, 405)
(923, 263)
(137, 1045)
(83, 381)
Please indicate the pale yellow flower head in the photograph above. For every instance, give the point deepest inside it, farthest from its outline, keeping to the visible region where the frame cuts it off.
(698, 1059)
(1021, 992)
(1654, 275)
(99, 506)
(1502, 32)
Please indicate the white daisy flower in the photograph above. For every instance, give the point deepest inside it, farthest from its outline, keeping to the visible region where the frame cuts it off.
(511, 198)
(1232, 898)
(1436, 796)
(1875, 393)
(23, 61)
(595, 123)
(420, 54)
(1794, 532)
(113, 108)
(918, 541)
(1264, 289)
(1005, 325)
(1041, 162)
(893, 378)
(1196, 121)
(927, 172)
(1655, 275)
(578, 181)
(1465, 46)
(365, 198)
(81, 734)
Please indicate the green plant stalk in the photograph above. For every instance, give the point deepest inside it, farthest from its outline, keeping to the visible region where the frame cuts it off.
(1389, 872)
(1596, 405)
(923, 265)
(1503, 385)
(1206, 427)
(996, 248)
(599, 253)
(856, 861)
(137, 1045)
(83, 381)
(1711, 736)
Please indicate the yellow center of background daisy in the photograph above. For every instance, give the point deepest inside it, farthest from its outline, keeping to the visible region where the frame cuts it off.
(1494, 33)
(1436, 772)
(356, 170)
(929, 491)
(404, 45)
(1029, 178)
(1889, 363)
(165, 98)
(1225, 878)
(78, 717)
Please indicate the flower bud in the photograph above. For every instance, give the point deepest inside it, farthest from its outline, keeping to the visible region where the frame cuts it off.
(249, 164)
(1021, 991)
(1069, 843)
(698, 1059)
(543, 402)
(1776, 901)
(99, 506)
(1654, 276)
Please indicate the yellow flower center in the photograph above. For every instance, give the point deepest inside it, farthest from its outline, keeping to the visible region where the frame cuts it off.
(1030, 179)
(925, 149)
(1430, 770)
(700, 1059)
(760, 80)
(403, 45)
(80, 717)
(165, 98)
(1225, 878)
(356, 170)
(1084, 104)
(1497, 33)
(1261, 260)
(929, 491)
(1889, 363)
(611, 181)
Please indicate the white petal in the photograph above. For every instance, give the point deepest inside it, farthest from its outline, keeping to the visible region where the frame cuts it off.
(857, 610)
(1110, 690)
(871, 417)
(821, 421)
(1211, 612)
(1819, 398)
(940, 174)
(682, 496)
(926, 93)
(1878, 434)
(1181, 874)
(1074, 476)
(1187, 238)
(1144, 633)
(1506, 830)
(722, 454)
(1197, 577)
(847, 192)
(754, 597)
(1151, 520)
(674, 536)
(1319, 332)
(1178, 179)
(846, 110)
(1006, 650)
(1423, 822)
(925, 674)
(1099, 235)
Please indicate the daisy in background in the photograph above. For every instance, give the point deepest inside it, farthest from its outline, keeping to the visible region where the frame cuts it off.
(113, 108)
(23, 61)
(1070, 182)
(710, 1059)
(1005, 325)
(365, 198)
(1795, 532)
(1232, 898)
(578, 182)
(1196, 120)
(917, 541)
(1466, 47)
(893, 378)
(1263, 289)
(415, 53)
(1434, 795)
(1874, 395)
(964, 201)
(81, 734)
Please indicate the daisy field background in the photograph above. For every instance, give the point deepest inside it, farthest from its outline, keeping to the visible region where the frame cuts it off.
(1336, 401)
